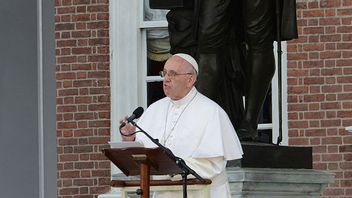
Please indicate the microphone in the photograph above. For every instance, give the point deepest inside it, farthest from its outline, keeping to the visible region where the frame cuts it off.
(136, 114)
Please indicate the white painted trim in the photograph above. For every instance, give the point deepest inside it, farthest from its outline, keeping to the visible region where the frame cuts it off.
(124, 73)
(265, 126)
(275, 95)
(40, 101)
(284, 95)
(153, 79)
(143, 68)
(123, 61)
(153, 24)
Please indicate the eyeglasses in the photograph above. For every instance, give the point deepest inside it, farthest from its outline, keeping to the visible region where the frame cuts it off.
(172, 74)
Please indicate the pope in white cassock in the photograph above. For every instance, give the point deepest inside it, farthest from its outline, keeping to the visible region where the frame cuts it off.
(192, 126)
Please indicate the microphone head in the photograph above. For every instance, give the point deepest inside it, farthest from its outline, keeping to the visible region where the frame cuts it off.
(138, 112)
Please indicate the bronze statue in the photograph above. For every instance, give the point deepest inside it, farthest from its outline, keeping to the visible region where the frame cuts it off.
(233, 44)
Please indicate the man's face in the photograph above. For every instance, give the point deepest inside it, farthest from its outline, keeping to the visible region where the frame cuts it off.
(178, 79)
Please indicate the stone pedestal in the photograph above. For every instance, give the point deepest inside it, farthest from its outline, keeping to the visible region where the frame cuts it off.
(266, 182)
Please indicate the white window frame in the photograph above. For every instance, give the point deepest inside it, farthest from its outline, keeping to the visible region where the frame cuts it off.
(128, 67)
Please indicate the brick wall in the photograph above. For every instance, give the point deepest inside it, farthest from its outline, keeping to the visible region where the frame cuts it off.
(320, 88)
(83, 97)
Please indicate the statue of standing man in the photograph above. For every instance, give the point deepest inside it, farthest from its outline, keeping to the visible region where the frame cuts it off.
(233, 44)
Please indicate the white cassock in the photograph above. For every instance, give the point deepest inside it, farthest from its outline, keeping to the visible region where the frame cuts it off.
(198, 130)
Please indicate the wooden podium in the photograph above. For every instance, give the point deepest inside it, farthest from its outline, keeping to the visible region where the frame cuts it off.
(135, 161)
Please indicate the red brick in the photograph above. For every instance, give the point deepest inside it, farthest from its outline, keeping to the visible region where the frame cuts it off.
(313, 115)
(298, 107)
(82, 50)
(331, 71)
(313, 80)
(68, 191)
(333, 192)
(314, 141)
(332, 140)
(331, 88)
(347, 37)
(345, 148)
(331, 157)
(320, 166)
(84, 165)
(330, 55)
(68, 158)
(344, 114)
(68, 149)
(333, 149)
(344, 29)
(66, 109)
(312, 64)
(65, 10)
(83, 132)
(99, 123)
(298, 90)
(67, 142)
(347, 157)
(83, 116)
(64, 76)
(330, 3)
(314, 98)
(344, 46)
(298, 141)
(313, 13)
(100, 173)
(68, 92)
(98, 8)
(297, 56)
(66, 125)
(83, 149)
(315, 132)
(331, 114)
(347, 140)
(314, 89)
(98, 140)
(344, 96)
(344, 62)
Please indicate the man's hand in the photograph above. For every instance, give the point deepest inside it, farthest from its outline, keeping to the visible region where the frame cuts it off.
(127, 130)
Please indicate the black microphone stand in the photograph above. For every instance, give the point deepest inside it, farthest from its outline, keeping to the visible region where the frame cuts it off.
(186, 170)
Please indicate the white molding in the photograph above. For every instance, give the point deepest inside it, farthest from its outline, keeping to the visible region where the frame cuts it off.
(153, 24)
(124, 75)
(275, 95)
(123, 61)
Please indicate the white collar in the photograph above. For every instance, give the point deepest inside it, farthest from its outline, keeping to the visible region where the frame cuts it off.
(185, 100)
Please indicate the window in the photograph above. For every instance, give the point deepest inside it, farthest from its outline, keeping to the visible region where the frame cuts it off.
(134, 74)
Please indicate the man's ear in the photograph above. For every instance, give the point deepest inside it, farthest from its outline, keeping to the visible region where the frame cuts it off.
(192, 80)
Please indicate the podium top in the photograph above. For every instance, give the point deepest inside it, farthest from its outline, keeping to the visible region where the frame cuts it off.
(133, 183)
(129, 160)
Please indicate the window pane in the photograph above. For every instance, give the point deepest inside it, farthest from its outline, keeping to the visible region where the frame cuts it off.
(158, 48)
(154, 67)
(153, 14)
(154, 92)
(265, 117)
(266, 114)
